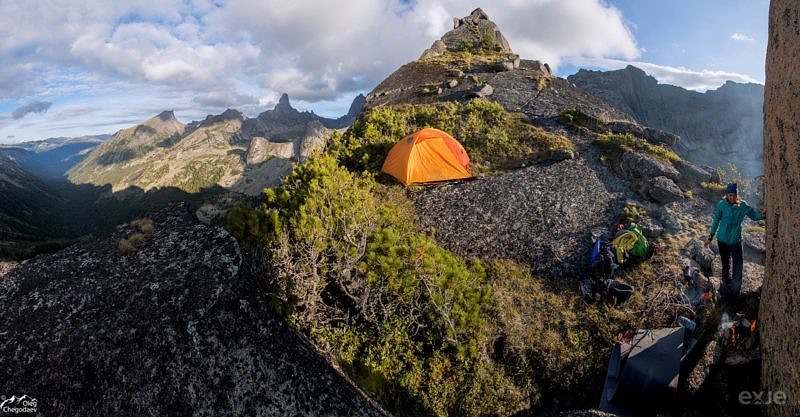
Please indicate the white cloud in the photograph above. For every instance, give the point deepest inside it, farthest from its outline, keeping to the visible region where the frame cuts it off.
(197, 56)
(314, 50)
(701, 80)
(346, 47)
(741, 37)
(226, 99)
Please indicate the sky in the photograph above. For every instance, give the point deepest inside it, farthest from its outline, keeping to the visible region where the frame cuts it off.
(76, 67)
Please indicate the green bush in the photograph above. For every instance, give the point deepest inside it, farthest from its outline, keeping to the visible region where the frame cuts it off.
(493, 137)
(421, 329)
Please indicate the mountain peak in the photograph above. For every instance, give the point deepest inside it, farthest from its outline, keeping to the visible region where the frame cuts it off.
(357, 105)
(166, 115)
(283, 103)
(475, 32)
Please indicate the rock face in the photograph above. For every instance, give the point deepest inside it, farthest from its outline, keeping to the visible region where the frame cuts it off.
(780, 308)
(314, 139)
(174, 328)
(715, 127)
(540, 215)
(474, 32)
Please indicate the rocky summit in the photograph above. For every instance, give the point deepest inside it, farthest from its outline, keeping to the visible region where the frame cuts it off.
(475, 30)
(167, 324)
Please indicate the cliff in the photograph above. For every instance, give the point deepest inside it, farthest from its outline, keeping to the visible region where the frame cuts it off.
(780, 306)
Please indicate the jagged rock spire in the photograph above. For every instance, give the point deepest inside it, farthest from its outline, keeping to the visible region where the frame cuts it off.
(283, 103)
(475, 32)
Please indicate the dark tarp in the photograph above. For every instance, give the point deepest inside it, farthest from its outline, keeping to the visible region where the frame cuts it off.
(643, 374)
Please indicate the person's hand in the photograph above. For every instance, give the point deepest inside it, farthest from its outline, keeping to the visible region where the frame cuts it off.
(708, 243)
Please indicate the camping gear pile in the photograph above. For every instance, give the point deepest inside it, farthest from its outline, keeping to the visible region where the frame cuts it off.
(626, 246)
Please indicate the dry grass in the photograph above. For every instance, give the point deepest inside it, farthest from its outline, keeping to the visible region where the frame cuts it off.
(132, 243)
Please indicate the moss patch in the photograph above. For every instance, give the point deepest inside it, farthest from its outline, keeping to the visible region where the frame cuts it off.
(616, 144)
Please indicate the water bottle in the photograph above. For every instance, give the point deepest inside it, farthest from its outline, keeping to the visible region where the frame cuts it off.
(687, 323)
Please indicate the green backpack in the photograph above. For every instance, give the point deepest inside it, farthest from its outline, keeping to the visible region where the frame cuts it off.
(642, 247)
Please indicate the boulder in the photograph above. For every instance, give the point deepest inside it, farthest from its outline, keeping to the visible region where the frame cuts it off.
(436, 49)
(650, 227)
(541, 215)
(453, 83)
(172, 325)
(755, 241)
(664, 190)
(692, 175)
(455, 73)
(539, 67)
(561, 154)
(484, 91)
(504, 66)
(669, 216)
(704, 257)
(636, 165)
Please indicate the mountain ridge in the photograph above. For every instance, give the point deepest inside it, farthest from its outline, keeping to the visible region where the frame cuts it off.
(162, 151)
(721, 124)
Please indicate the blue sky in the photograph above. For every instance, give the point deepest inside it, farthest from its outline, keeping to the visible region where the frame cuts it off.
(708, 35)
(77, 67)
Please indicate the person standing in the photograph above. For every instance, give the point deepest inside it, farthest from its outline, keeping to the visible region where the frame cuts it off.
(727, 227)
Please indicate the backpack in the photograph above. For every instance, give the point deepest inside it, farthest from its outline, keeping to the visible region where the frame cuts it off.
(630, 242)
(641, 248)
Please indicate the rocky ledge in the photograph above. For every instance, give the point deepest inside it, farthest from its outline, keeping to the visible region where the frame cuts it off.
(170, 327)
(541, 215)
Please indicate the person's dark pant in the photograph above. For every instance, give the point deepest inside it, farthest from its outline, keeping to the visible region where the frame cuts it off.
(731, 286)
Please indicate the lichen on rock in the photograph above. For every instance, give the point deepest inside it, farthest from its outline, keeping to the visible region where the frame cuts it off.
(175, 328)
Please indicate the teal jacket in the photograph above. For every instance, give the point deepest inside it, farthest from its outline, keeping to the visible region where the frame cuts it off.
(728, 219)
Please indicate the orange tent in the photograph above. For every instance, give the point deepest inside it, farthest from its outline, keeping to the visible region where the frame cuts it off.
(425, 156)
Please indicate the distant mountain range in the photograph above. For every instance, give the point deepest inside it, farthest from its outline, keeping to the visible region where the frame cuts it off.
(51, 158)
(716, 127)
(59, 189)
(228, 150)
